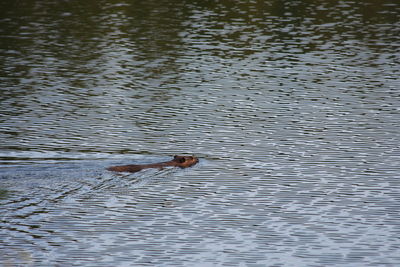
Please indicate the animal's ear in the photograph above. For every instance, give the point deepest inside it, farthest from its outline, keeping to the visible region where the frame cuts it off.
(176, 156)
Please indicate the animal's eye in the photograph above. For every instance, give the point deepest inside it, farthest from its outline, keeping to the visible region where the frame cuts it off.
(182, 160)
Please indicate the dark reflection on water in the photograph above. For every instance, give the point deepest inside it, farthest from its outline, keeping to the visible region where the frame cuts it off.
(292, 107)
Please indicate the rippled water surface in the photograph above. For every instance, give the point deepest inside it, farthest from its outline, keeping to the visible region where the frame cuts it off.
(291, 106)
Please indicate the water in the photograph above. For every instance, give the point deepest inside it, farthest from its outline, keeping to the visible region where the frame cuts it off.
(291, 106)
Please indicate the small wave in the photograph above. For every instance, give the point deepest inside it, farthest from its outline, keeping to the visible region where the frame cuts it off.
(28, 157)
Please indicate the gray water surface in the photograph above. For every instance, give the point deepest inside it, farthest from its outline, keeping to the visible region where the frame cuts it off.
(291, 106)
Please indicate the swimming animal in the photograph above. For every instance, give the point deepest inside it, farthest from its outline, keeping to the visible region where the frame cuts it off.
(177, 161)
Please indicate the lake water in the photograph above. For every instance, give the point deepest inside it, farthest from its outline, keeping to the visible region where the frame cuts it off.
(293, 108)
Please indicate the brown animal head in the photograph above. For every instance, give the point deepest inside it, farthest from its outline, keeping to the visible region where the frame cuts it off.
(185, 161)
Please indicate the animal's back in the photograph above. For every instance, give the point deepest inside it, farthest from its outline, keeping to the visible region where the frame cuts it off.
(126, 168)
(177, 161)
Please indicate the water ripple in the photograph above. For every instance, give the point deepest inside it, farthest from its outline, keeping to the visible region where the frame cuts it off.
(291, 106)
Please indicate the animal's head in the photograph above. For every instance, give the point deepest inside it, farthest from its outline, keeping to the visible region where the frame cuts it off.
(185, 161)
